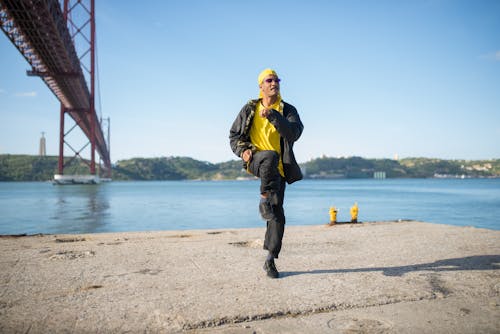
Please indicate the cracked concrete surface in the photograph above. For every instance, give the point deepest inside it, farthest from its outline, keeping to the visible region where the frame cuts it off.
(367, 278)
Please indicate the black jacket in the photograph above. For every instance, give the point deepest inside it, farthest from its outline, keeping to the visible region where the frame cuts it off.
(288, 125)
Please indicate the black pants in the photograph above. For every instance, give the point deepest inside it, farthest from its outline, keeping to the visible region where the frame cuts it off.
(264, 164)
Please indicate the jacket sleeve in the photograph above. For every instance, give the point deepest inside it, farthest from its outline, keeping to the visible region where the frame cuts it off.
(290, 127)
(238, 140)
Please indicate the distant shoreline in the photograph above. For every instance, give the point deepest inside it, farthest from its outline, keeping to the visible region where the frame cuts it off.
(252, 179)
(38, 168)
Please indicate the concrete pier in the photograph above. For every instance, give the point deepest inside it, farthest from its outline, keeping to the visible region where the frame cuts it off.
(385, 277)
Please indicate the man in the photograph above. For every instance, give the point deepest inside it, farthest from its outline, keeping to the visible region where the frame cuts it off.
(262, 136)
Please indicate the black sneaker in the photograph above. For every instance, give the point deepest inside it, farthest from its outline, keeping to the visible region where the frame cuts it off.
(271, 270)
(266, 210)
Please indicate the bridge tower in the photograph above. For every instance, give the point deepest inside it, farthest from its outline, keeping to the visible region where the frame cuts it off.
(84, 28)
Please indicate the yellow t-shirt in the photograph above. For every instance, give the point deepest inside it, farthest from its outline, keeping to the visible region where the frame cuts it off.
(264, 135)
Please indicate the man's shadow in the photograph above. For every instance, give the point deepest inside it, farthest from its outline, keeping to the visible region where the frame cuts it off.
(480, 262)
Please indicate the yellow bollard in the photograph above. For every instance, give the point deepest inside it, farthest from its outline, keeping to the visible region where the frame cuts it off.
(333, 215)
(354, 213)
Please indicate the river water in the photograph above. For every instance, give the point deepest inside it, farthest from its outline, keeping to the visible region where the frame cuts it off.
(40, 207)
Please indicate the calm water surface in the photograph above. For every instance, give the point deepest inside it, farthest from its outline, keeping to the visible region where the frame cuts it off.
(173, 205)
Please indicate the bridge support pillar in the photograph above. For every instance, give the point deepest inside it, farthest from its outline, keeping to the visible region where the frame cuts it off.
(60, 165)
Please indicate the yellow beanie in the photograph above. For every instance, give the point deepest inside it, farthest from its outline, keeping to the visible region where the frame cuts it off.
(265, 73)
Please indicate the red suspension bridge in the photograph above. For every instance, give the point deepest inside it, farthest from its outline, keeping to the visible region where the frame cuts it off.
(45, 32)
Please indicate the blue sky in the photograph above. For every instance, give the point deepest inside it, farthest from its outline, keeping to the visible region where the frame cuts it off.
(369, 78)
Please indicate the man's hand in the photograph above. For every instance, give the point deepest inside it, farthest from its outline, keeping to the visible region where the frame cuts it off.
(265, 112)
(247, 155)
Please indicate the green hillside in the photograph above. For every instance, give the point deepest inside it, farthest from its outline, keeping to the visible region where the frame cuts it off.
(35, 168)
(356, 167)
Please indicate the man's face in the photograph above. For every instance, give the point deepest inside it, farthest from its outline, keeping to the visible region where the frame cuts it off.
(270, 86)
